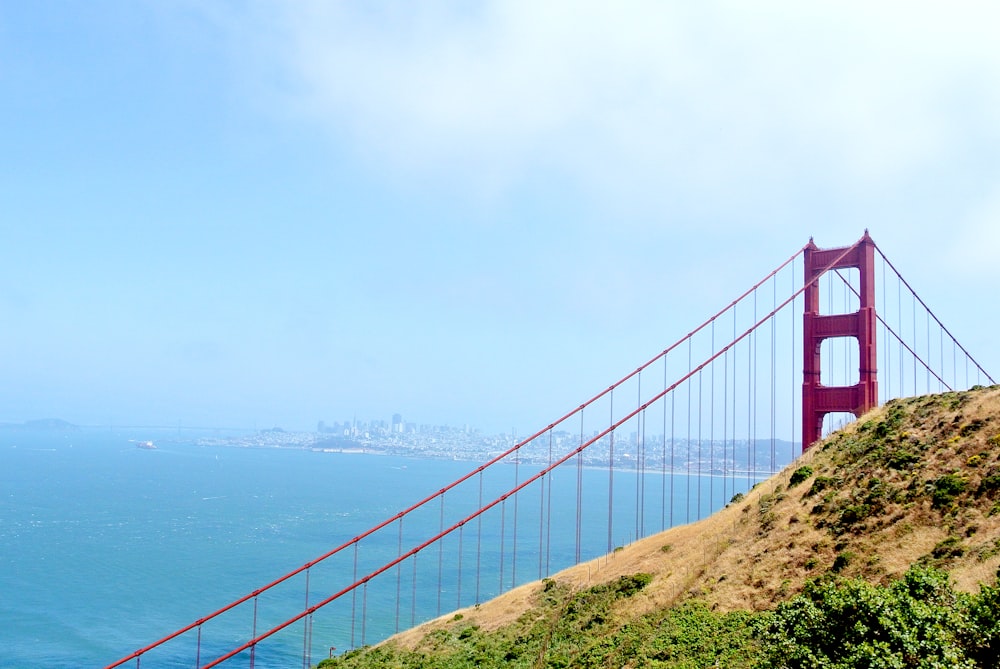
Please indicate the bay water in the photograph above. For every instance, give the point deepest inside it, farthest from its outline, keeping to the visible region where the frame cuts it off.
(106, 547)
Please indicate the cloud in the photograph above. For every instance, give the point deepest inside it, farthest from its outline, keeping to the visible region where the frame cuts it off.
(973, 251)
(641, 96)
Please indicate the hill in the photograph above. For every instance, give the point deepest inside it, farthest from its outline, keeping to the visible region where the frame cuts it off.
(41, 424)
(915, 483)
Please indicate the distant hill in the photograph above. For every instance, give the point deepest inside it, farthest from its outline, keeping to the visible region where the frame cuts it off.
(41, 424)
(912, 485)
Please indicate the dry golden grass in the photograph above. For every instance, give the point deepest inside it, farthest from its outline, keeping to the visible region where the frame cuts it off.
(762, 550)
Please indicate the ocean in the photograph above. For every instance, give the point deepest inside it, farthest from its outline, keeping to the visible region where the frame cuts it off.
(106, 547)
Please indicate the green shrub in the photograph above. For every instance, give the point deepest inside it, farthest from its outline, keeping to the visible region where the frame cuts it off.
(627, 586)
(902, 460)
(841, 561)
(970, 428)
(853, 514)
(821, 483)
(918, 621)
(946, 489)
(948, 548)
(989, 485)
(800, 475)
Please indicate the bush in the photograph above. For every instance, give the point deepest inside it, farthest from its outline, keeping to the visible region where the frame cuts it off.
(800, 475)
(629, 585)
(989, 485)
(820, 484)
(949, 548)
(902, 460)
(841, 561)
(946, 489)
(918, 621)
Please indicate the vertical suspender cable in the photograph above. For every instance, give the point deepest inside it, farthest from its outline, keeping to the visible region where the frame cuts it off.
(774, 389)
(548, 514)
(663, 465)
(756, 399)
(440, 544)
(513, 542)
(750, 407)
(541, 516)
(688, 449)
(954, 364)
(735, 394)
(364, 612)
(673, 431)
(308, 660)
(941, 357)
(253, 635)
(399, 570)
(413, 596)
(638, 454)
(305, 630)
(913, 313)
(928, 351)
(899, 313)
(711, 432)
(639, 459)
(461, 536)
(792, 352)
(503, 536)
(641, 532)
(699, 446)
(725, 423)
(887, 390)
(611, 467)
(479, 539)
(579, 490)
(354, 596)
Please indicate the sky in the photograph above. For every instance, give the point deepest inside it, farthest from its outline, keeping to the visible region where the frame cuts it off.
(255, 214)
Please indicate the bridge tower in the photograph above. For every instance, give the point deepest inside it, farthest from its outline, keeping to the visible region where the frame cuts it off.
(819, 400)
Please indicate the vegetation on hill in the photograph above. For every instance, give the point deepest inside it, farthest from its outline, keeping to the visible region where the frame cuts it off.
(878, 548)
(919, 621)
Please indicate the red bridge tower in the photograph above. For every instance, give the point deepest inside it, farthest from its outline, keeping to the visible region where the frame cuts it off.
(819, 400)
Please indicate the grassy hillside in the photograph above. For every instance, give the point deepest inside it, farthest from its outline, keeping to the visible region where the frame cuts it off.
(903, 506)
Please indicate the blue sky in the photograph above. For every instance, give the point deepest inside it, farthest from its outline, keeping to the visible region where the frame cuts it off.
(269, 213)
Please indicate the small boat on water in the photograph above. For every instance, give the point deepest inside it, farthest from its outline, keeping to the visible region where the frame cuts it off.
(148, 445)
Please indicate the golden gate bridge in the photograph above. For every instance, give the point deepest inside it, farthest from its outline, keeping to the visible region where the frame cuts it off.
(805, 349)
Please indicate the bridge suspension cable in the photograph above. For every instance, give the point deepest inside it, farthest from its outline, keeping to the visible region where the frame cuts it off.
(600, 472)
(924, 360)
